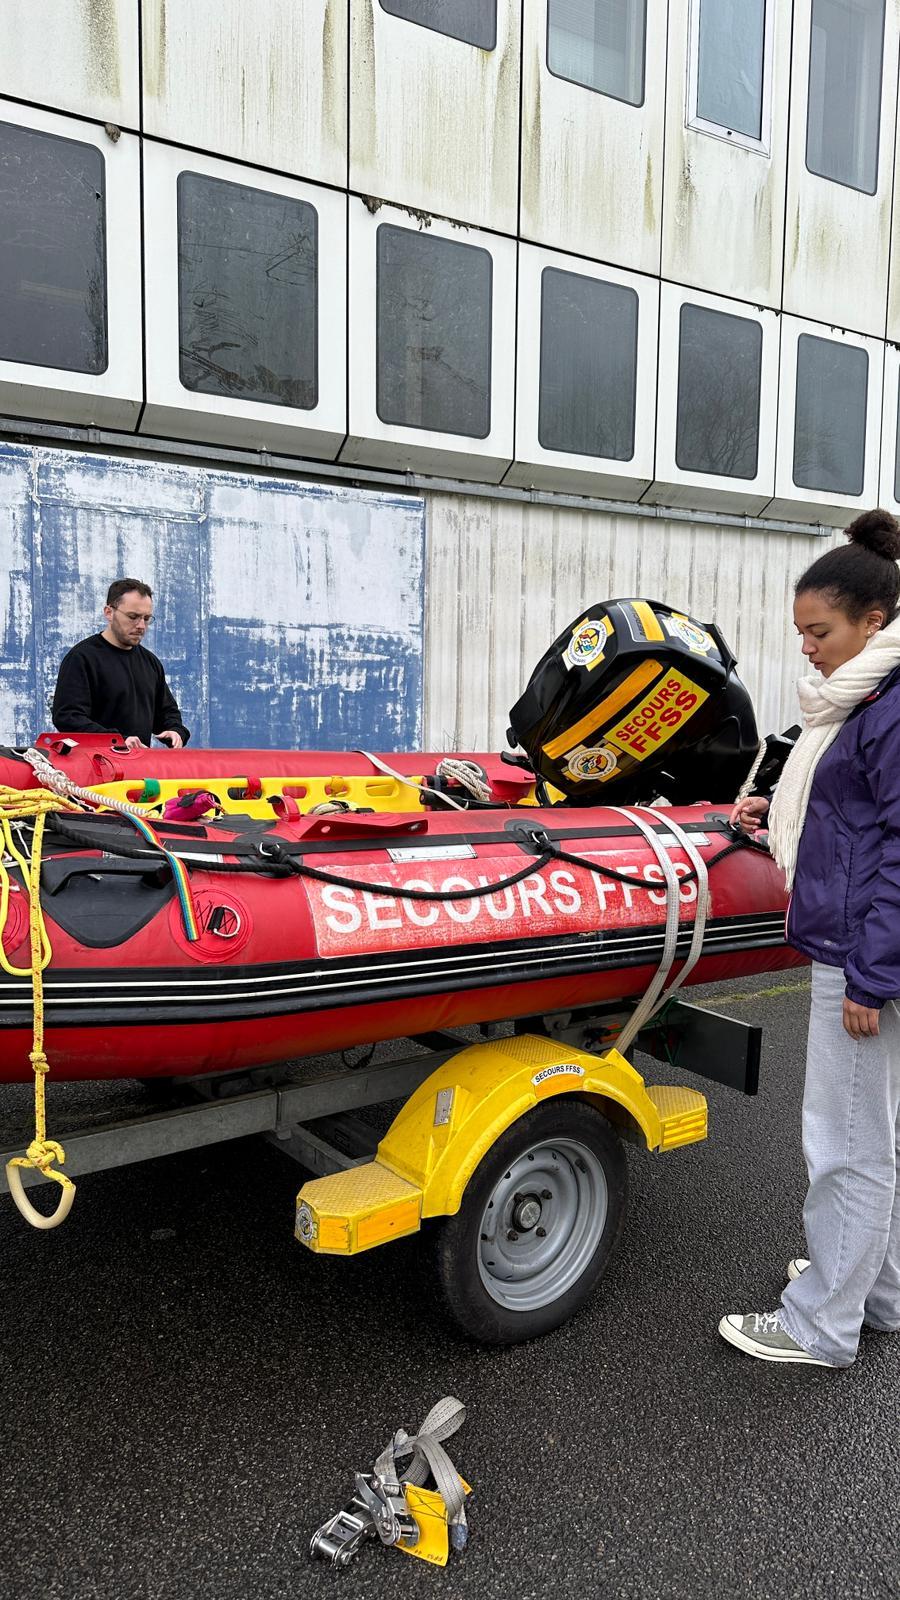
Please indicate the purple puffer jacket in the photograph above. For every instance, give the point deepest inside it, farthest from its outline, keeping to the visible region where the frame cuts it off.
(845, 909)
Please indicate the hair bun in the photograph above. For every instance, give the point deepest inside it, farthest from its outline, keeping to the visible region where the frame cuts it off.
(877, 531)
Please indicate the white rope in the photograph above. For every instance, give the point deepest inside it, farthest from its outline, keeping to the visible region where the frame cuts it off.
(50, 777)
(750, 779)
(467, 773)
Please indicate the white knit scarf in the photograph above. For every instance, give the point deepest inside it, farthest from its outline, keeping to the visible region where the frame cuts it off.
(825, 703)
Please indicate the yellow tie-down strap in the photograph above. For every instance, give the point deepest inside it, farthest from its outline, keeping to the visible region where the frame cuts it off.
(453, 1119)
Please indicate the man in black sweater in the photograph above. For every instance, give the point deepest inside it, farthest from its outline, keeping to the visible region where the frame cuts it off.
(110, 684)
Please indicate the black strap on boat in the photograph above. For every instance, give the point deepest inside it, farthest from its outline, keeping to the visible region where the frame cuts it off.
(299, 868)
(273, 857)
(536, 839)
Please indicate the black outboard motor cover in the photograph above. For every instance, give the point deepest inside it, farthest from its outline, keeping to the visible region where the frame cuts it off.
(636, 700)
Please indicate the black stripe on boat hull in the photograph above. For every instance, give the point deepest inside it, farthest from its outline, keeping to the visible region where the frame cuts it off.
(167, 996)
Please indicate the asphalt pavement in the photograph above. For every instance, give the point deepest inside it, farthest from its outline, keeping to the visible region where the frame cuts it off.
(186, 1391)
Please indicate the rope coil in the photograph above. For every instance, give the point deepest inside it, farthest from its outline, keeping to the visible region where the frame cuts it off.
(42, 1155)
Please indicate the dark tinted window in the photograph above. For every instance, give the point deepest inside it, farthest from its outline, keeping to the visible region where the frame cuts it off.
(473, 21)
(830, 419)
(599, 44)
(588, 366)
(433, 333)
(719, 376)
(52, 251)
(731, 46)
(844, 112)
(247, 292)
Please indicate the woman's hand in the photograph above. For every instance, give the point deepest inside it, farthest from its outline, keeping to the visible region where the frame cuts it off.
(861, 1022)
(748, 814)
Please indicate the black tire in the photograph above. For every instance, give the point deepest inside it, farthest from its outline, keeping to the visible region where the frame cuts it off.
(515, 1282)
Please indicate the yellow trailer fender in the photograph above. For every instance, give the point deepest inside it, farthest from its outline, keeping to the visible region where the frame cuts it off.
(435, 1143)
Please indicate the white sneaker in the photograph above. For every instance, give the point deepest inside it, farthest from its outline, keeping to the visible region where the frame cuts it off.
(761, 1335)
(796, 1266)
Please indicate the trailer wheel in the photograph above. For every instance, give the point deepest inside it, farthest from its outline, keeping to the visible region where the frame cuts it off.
(537, 1223)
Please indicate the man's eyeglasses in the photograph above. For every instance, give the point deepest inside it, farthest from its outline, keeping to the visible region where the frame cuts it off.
(134, 616)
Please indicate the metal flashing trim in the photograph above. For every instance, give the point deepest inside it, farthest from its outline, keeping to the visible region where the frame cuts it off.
(24, 431)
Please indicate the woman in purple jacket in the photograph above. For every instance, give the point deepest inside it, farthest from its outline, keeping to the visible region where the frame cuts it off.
(834, 826)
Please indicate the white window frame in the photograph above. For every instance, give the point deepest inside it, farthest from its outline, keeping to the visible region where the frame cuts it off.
(537, 467)
(674, 485)
(386, 444)
(172, 409)
(762, 146)
(889, 411)
(112, 398)
(823, 505)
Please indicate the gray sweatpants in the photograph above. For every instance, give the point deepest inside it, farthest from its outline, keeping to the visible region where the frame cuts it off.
(851, 1143)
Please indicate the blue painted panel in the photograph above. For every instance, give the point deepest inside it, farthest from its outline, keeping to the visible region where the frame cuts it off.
(287, 614)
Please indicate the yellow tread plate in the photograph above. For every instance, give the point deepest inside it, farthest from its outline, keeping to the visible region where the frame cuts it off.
(356, 1209)
(532, 1050)
(682, 1113)
(358, 1189)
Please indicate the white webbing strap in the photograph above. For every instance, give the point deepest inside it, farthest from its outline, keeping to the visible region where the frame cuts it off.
(656, 993)
(389, 772)
(701, 913)
(648, 1001)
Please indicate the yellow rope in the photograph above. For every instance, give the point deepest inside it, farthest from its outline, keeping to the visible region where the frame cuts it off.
(20, 806)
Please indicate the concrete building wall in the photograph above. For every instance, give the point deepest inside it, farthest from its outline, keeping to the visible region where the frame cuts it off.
(529, 245)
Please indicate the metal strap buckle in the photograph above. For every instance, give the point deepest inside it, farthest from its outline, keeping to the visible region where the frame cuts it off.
(338, 1539)
(386, 1504)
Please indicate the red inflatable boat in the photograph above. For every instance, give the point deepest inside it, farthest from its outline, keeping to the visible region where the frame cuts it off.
(436, 891)
(318, 933)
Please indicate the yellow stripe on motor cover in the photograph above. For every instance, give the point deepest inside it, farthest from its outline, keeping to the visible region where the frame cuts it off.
(615, 702)
(648, 619)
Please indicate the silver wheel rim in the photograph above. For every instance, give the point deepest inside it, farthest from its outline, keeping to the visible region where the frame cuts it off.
(542, 1224)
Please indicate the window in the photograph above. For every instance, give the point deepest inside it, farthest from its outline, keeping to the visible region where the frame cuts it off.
(719, 382)
(433, 333)
(599, 44)
(728, 84)
(844, 113)
(52, 251)
(247, 293)
(473, 21)
(830, 415)
(588, 379)
(897, 452)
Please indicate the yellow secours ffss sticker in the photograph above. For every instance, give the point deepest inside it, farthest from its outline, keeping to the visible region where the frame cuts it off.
(659, 715)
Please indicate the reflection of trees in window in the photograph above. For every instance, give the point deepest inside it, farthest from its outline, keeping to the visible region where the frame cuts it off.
(52, 251)
(588, 366)
(719, 378)
(247, 292)
(433, 333)
(830, 415)
(472, 21)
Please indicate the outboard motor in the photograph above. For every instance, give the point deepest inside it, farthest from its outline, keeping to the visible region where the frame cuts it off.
(633, 701)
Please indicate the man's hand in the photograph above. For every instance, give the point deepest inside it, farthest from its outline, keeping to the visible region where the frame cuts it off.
(861, 1022)
(748, 814)
(134, 743)
(171, 737)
